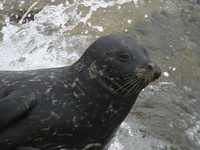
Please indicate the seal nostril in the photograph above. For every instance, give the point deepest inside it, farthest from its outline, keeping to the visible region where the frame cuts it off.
(157, 73)
(156, 70)
(151, 65)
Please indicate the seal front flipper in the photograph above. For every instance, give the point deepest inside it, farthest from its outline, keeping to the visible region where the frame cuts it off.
(15, 104)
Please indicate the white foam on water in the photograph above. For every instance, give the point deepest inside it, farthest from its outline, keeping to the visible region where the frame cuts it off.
(116, 145)
(127, 127)
(136, 3)
(135, 137)
(42, 43)
(37, 44)
(29, 9)
(1, 6)
(193, 133)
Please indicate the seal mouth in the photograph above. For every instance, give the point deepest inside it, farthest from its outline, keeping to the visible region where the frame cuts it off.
(139, 79)
(148, 73)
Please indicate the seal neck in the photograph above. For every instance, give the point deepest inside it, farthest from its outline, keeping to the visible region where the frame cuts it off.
(95, 88)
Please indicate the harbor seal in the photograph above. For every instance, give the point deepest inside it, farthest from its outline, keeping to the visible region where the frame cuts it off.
(77, 107)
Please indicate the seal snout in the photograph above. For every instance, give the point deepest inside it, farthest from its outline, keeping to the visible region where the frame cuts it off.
(157, 73)
(156, 70)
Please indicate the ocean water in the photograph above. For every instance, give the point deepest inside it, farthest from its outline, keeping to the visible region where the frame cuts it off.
(166, 114)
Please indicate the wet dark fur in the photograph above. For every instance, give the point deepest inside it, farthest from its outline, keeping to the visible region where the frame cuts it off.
(75, 107)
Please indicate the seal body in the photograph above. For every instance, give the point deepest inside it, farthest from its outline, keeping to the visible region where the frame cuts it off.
(75, 107)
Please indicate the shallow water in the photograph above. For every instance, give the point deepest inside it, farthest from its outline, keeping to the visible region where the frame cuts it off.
(166, 114)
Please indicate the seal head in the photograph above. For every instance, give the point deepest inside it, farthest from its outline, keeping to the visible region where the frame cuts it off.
(120, 59)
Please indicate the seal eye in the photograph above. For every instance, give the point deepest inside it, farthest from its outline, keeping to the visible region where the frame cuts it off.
(124, 57)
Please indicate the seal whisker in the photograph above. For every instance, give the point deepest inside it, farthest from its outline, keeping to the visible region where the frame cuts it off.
(122, 41)
(131, 79)
(134, 88)
(140, 81)
(122, 87)
(130, 74)
(127, 84)
(139, 85)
